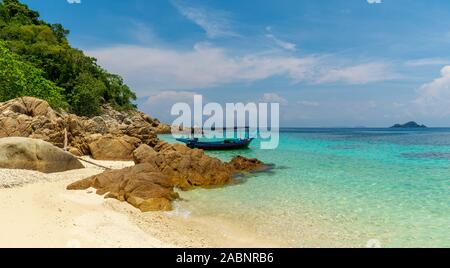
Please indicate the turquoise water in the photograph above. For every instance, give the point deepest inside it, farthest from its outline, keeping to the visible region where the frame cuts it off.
(341, 188)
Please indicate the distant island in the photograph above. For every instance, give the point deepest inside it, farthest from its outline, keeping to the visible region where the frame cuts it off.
(411, 124)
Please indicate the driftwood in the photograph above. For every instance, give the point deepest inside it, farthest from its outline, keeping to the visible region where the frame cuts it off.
(92, 163)
(65, 139)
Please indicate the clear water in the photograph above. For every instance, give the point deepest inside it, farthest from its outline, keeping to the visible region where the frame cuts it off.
(341, 188)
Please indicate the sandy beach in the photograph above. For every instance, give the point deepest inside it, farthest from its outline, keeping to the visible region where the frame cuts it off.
(38, 211)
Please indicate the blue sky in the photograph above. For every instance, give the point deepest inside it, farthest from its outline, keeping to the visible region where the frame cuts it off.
(328, 62)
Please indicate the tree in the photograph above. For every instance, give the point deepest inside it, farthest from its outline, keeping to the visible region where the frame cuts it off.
(60, 32)
(19, 78)
(16, 11)
(45, 47)
(85, 97)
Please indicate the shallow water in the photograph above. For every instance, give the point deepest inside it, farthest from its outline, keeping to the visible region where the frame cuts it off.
(341, 188)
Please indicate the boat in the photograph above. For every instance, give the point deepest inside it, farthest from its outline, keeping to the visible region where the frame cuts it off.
(227, 144)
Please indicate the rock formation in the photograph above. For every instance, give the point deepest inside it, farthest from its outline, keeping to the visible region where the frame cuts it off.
(149, 185)
(189, 167)
(242, 164)
(32, 154)
(141, 186)
(111, 136)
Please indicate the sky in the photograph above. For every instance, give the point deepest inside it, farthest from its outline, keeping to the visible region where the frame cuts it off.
(329, 63)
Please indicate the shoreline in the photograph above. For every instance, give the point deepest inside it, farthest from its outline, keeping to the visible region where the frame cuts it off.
(42, 213)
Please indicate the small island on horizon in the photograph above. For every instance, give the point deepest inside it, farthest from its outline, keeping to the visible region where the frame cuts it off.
(411, 124)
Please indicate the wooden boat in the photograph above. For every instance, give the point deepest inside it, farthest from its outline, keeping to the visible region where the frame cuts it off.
(227, 144)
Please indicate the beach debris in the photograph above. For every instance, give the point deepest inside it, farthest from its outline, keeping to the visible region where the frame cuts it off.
(92, 163)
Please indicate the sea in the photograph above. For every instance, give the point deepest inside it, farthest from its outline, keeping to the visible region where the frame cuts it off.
(339, 187)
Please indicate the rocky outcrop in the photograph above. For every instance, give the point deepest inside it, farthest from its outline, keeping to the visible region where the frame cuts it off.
(112, 136)
(150, 184)
(142, 153)
(242, 164)
(188, 167)
(142, 186)
(112, 147)
(32, 154)
(30, 117)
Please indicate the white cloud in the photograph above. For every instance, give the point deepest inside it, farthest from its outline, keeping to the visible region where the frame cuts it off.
(214, 23)
(359, 74)
(202, 67)
(148, 69)
(274, 98)
(434, 97)
(171, 95)
(427, 62)
(283, 44)
(142, 33)
(374, 1)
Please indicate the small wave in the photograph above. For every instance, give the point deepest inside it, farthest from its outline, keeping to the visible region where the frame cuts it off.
(179, 212)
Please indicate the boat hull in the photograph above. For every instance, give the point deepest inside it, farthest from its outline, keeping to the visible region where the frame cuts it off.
(233, 145)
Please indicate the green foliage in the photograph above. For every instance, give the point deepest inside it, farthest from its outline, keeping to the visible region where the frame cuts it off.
(19, 78)
(45, 47)
(85, 95)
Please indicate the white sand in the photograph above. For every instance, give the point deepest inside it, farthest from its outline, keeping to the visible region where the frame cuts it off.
(37, 211)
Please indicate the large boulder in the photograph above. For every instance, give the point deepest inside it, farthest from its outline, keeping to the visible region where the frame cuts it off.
(113, 148)
(242, 164)
(27, 116)
(142, 186)
(30, 106)
(189, 167)
(32, 154)
(142, 153)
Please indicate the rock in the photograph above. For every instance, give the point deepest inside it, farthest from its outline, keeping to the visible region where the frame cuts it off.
(32, 154)
(30, 117)
(75, 151)
(113, 148)
(34, 118)
(163, 129)
(150, 184)
(141, 186)
(29, 106)
(142, 153)
(96, 125)
(242, 164)
(190, 168)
